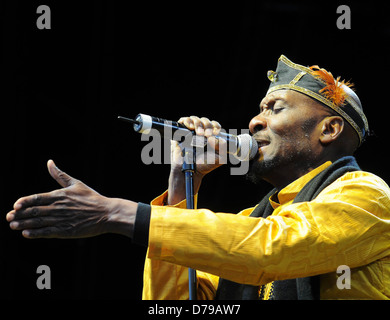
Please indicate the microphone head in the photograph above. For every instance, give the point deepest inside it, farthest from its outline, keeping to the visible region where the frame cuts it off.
(248, 147)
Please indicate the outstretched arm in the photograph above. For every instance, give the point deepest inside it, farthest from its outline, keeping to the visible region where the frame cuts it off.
(77, 211)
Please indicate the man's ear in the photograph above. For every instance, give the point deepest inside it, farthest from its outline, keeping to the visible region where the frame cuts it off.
(331, 129)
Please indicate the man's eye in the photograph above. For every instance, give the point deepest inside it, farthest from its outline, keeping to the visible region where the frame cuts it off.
(278, 109)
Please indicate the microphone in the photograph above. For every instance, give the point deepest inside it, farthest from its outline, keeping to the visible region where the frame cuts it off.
(244, 147)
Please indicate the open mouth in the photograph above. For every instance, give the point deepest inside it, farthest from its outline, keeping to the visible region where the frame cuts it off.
(262, 143)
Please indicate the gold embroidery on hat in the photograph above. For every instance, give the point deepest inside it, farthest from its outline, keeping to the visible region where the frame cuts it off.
(306, 70)
(324, 101)
(294, 65)
(298, 77)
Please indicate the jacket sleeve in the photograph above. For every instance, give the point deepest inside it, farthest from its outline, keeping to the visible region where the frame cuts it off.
(348, 223)
(167, 281)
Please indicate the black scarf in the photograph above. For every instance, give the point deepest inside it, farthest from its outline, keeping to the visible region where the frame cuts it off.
(291, 289)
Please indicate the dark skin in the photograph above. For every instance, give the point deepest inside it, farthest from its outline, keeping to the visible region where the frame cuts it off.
(74, 211)
(295, 133)
(301, 132)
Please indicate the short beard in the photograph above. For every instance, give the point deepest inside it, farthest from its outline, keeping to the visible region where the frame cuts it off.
(258, 170)
(301, 154)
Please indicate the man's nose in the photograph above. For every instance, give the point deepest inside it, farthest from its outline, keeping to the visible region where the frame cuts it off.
(257, 123)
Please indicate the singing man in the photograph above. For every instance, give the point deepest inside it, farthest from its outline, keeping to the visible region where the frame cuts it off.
(324, 211)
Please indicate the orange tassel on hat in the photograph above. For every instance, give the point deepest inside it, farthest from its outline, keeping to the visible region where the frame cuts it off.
(333, 90)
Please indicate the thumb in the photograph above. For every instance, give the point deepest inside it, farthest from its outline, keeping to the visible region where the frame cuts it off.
(61, 177)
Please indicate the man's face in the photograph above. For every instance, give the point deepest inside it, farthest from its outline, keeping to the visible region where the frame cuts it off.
(286, 131)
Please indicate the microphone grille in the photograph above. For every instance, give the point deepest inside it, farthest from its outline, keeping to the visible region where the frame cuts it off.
(248, 147)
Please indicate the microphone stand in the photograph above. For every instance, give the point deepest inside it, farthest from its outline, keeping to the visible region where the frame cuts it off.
(188, 168)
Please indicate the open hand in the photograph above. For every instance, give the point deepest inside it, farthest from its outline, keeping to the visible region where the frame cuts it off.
(75, 211)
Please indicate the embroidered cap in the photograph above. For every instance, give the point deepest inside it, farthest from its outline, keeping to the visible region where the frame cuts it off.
(322, 86)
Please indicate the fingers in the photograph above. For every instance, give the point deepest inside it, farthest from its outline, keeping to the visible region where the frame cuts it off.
(202, 126)
(36, 222)
(47, 232)
(61, 177)
(216, 127)
(38, 199)
(73, 211)
(27, 213)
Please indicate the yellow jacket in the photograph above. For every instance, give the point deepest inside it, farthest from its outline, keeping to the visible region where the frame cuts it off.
(348, 224)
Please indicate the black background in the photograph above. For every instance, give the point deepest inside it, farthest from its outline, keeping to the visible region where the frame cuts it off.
(63, 88)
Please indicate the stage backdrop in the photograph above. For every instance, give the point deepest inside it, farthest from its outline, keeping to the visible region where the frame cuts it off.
(67, 78)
